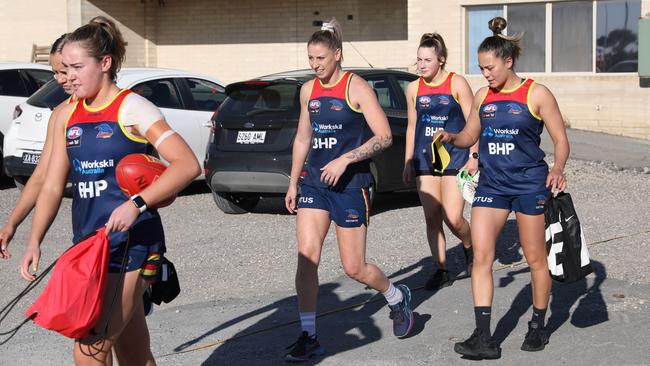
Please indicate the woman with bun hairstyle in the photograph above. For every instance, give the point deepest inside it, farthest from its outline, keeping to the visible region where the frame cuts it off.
(337, 109)
(98, 130)
(27, 199)
(509, 115)
(439, 100)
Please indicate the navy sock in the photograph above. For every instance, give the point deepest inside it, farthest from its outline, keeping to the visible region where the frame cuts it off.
(483, 314)
(538, 317)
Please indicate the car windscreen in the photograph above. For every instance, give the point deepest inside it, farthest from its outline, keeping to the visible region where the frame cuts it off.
(48, 96)
(257, 98)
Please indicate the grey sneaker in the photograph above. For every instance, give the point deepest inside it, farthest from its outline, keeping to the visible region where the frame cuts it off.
(402, 314)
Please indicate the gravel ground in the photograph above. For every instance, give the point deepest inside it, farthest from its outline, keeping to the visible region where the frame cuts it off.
(222, 256)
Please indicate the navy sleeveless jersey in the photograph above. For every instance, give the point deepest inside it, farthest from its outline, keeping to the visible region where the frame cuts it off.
(96, 141)
(337, 129)
(511, 161)
(437, 109)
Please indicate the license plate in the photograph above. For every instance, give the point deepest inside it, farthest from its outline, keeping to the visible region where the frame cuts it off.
(251, 137)
(31, 158)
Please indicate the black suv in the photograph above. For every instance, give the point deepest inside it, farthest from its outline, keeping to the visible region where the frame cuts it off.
(249, 151)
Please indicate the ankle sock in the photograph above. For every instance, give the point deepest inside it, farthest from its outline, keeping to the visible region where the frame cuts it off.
(308, 323)
(393, 295)
(483, 314)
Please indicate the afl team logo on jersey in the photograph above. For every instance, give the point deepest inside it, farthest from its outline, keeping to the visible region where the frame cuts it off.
(489, 111)
(425, 102)
(336, 105)
(514, 108)
(314, 106)
(443, 99)
(104, 131)
(74, 136)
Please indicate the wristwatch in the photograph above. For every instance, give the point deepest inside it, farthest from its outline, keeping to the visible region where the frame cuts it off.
(474, 155)
(139, 203)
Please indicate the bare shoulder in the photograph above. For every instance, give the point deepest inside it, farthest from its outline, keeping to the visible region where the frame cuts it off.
(305, 90)
(359, 84)
(540, 93)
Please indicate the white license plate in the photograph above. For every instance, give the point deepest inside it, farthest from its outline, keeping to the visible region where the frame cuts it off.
(31, 158)
(251, 137)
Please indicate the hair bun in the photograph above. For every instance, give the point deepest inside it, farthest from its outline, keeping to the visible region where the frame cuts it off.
(497, 25)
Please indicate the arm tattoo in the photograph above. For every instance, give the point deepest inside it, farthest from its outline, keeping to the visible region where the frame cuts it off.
(371, 148)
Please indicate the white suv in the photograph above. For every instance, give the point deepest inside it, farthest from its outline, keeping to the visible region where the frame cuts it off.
(18, 80)
(186, 100)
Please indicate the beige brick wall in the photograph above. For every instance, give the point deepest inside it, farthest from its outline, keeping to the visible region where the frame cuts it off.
(248, 38)
(129, 16)
(25, 22)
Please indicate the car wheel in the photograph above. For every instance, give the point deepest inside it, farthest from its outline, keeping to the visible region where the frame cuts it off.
(234, 203)
(20, 182)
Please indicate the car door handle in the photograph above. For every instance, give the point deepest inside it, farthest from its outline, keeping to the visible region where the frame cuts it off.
(207, 124)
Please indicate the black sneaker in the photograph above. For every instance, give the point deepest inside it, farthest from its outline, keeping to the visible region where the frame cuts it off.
(304, 348)
(536, 338)
(478, 346)
(438, 280)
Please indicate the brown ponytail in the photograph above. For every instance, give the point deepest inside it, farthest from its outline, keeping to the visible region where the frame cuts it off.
(101, 37)
(435, 41)
(502, 45)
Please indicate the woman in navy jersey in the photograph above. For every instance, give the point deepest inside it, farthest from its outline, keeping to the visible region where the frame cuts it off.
(439, 100)
(509, 115)
(27, 199)
(98, 130)
(337, 108)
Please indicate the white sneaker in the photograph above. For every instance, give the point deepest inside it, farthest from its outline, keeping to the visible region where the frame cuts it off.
(467, 184)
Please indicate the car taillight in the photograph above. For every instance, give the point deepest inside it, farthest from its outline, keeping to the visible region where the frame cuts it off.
(17, 112)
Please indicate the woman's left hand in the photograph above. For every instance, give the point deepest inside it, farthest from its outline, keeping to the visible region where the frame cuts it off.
(122, 217)
(556, 180)
(333, 170)
(471, 166)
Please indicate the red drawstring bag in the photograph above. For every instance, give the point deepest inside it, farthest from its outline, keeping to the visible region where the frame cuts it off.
(71, 303)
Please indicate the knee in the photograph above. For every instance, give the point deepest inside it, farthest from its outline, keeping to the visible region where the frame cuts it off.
(354, 271)
(537, 262)
(482, 259)
(456, 224)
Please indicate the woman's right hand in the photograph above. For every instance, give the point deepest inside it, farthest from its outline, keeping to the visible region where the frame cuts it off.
(6, 234)
(290, 199)
(30, 260)
(445, 136)
(407, 174)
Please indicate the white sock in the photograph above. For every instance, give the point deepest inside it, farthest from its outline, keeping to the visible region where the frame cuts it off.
(308, 323)
(393, 295)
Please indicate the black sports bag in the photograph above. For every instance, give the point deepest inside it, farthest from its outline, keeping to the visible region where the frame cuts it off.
(568, 258)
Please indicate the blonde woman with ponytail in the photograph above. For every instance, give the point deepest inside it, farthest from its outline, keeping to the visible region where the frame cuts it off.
(336, 185)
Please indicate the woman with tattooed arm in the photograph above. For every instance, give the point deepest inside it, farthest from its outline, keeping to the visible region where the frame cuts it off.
(337, 108)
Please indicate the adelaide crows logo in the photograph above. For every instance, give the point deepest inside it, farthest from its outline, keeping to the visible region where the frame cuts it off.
(104, 131)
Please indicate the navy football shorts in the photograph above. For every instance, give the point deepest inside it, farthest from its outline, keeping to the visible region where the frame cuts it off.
(347, 208)
(529, 204)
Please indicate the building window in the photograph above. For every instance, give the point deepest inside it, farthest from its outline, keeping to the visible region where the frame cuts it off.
(529, 19)
(572, 36)
(477, 20)
(617, 36)
(572, 46)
